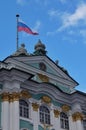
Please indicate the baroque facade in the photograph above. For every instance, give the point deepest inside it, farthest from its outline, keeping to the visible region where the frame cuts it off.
(38, 94)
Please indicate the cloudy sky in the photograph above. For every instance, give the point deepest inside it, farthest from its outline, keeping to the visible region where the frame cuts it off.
(62, 28)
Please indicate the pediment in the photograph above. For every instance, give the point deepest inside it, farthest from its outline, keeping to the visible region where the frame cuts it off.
(43, 69)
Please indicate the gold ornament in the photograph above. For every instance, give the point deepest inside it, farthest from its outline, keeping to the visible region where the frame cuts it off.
(44, 78)
(16, 96)
(11, 97)
(65, 108)
(56, 113)
(5, 96)
(35, 106)
(46, 99)
(77, 116)
(25, 94)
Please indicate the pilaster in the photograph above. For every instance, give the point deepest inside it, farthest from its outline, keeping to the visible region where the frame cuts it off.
(56, 125)
(16, 110)
(5, 111)
(35, 114)
(77, 118)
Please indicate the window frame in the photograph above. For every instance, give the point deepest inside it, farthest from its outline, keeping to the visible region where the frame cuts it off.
(44, 115)
(64, 121)
(23, 109)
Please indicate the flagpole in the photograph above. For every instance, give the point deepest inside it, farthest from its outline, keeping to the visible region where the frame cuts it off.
(17, 38)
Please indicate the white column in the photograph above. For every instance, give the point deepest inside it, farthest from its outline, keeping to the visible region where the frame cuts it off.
(72, 124)
(15, 111)
(35, 115)
(52, 117)
(77, 118)
(79, 125)
(56, 123)
(11, 112)
(5, 111)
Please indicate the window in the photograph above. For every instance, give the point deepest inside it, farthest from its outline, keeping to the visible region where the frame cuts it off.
(44, 115)
(84, 124)
(24, 109)
(64, 121)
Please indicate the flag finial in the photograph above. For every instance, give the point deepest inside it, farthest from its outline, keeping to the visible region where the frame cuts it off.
(17, 16)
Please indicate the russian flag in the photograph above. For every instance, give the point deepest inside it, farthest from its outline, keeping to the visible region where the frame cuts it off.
(23, 27)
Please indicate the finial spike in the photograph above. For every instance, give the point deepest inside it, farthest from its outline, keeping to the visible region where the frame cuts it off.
(17, 15)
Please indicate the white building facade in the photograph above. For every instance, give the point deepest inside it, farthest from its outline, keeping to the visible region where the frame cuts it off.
(37, 94)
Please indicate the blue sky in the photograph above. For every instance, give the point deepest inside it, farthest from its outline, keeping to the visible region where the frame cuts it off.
(62, 28)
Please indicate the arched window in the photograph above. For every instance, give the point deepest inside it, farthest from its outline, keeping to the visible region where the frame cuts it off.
(44, 115)
(64, 121)
(24, 109)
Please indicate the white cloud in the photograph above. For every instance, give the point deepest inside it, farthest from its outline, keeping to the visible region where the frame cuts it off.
(63, 1)
(83, 33)
(74, 18)
(21, 2)
(37, 25)
(51, 33)
(42, 2)
(53, 13)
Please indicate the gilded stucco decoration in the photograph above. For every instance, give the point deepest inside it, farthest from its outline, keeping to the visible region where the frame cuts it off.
(5, 96)
(25, 94)
(46, 99)
(35, 106)
(10, 97)
(47, 126)
(56, 113)
(44, 78)
(16, 96)
(65, 108)
(77, 116)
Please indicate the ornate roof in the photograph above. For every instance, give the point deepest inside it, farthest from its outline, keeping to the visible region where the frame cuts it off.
(21, 51)
(40, 48)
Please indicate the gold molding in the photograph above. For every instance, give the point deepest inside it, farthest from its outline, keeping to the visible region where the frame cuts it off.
(46, 99)
(10, 97)
(56, 113)
(25, 94)
(16, 96)
(35, 106)
(65, 108)
(44, 78)
(77, 116)
(5, 96)
(47, 126)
